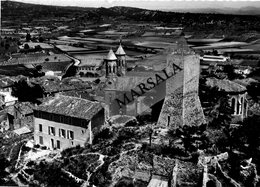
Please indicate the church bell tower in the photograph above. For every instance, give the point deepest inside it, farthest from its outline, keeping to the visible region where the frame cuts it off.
(121, 60)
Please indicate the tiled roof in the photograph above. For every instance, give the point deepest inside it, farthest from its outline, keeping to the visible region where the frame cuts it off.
(128, 83)
(22, 130)
(55, 85)
(120, 50)
(38, 59)
(70, 106)
(111, 55)
(226, 85)
(245, 82)
(153, 60)
(133, 78)
(24, 107)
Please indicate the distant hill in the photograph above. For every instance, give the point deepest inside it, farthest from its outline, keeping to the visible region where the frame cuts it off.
(234, 11)
(17, 14)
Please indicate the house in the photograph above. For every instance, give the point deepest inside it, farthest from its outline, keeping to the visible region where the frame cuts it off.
(6, 84)
(51, 85)
(6, 121)
(23, 115)
(62, 121)
(6, 99)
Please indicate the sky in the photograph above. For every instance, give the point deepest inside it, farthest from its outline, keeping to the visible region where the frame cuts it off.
(150, 4)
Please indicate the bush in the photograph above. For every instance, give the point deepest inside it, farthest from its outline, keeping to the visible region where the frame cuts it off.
(124, 134)
(103, 134)
(50, 174)
(72, 151)
(25, 149)
(44, 147)
(30, 163)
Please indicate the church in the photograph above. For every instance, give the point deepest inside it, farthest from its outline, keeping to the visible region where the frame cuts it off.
(172, 88)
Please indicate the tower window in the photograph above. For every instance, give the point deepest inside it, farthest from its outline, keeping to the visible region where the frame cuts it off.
(238, 107)
(113, 69)
(233, 105)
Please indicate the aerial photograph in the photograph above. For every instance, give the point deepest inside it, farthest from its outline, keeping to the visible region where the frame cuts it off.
(129, 93)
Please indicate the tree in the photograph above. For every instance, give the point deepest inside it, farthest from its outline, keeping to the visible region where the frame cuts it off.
(4, 164)
(230, 71)
(41, 39)
(28, 37)
(51, 174)
(217, 111)
(38, 68)
(250, 130)
(193, 137)
(124, 182)
(27, 92)
(7, 46)
(37, 48)
(253, 89)
(26, 46)
(71, 72)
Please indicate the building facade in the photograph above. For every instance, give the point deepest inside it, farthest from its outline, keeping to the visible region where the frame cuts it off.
(63, 121)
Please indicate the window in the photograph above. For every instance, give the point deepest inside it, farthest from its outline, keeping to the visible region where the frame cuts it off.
(40, 127)
(241, 105)
(41, 140)
(52, 143)
(114, 69)
(58, 144)
(62, 133)
(70, 135)
(52, 131)
(82, 131)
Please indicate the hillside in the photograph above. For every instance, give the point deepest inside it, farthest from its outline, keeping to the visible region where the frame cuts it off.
(18, 15)
(234, 11)
(29, 12)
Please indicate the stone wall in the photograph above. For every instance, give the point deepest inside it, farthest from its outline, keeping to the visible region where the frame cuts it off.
(182, 105)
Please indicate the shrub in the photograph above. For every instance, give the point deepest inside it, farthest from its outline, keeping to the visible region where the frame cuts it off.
(25, 149)
(103, 134)
(44, 147)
